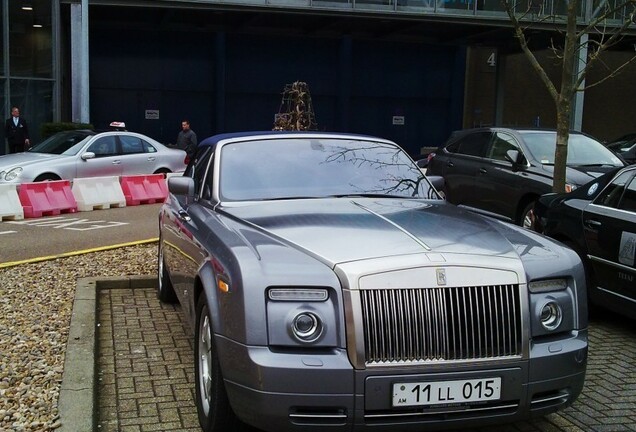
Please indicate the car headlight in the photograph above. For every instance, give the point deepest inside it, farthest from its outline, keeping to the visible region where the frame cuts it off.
(547, 285)
(298, 294)
(12, 174)
(299, 316)
(551, 315)
(553, 306)
(569, 187)
(306, 326)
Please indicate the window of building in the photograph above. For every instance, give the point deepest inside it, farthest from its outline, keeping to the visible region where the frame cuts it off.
(30, 39)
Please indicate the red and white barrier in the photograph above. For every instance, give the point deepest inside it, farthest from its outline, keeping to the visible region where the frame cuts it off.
(98, 193)
(47, 198)
(10, 206)
(144, 189)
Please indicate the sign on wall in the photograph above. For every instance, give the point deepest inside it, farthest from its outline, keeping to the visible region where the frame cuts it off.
(152, 114)
(398, 120)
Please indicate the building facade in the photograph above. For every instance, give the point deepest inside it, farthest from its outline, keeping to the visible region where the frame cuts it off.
(407, 70)
(29, 72)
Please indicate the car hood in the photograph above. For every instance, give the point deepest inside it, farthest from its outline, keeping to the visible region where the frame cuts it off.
(348, 229)
(27, 158)
(579, 175)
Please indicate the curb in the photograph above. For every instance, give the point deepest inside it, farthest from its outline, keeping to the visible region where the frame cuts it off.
(76, 403)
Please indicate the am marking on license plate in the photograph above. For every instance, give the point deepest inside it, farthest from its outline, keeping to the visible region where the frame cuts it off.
(446, 392)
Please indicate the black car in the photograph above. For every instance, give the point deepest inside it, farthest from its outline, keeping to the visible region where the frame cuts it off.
(625, 148)
(503, 171)
(598, 221)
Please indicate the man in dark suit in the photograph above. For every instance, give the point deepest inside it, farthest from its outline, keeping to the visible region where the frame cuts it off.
(17, 132)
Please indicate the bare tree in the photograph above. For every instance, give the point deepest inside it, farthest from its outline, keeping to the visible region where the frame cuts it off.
(580, 46)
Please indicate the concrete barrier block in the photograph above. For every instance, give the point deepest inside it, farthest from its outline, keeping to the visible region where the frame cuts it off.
(98, 193)
(47, 198)
(144, 189)
(10, 206)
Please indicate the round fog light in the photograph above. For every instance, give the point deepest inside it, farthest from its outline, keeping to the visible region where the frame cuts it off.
(306, 326)
(551, 315)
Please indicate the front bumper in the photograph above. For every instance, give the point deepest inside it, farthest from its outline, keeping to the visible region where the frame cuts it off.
(284, 391)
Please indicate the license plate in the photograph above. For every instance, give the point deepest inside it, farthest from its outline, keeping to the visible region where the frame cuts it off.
(446, 392)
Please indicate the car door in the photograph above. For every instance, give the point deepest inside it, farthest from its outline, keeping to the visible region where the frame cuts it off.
(107, 160)
(464, 158)
(497, 186)
(182, 226)
(609, 224)
(135, 158)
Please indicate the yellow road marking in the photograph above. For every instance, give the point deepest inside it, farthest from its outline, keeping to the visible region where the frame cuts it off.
(79, 252)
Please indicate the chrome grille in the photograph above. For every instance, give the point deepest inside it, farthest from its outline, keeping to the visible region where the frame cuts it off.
(441, 324)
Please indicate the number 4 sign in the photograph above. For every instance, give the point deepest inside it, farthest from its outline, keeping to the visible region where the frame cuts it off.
(492, 59)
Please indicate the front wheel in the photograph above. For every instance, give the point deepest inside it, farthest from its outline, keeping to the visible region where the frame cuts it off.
(527, 216)
(46, 177)
(213, 406)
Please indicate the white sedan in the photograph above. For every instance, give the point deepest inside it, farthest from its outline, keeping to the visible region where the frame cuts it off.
(84, 153)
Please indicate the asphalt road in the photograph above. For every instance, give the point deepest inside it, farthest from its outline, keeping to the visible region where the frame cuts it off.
(33, 238)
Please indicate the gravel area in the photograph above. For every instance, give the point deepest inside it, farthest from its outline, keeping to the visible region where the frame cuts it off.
(36, 301)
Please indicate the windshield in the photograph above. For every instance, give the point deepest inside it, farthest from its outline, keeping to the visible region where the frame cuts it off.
(61, 143)
(582, 150)
(304, 167)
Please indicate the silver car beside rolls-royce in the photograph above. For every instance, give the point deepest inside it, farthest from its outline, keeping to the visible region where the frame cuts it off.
(85, 153)
(329, 287)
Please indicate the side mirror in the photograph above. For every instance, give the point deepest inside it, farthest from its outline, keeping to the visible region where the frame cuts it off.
(513, 156)
(88, 155)
(180, 185)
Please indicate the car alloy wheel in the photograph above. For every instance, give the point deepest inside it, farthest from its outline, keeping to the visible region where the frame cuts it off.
(527, 216)
(213, 407)
(204, 361)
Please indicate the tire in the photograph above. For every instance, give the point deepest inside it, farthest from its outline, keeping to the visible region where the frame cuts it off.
(527, 216)
(165, 290)
(213, 406)
(46, 177)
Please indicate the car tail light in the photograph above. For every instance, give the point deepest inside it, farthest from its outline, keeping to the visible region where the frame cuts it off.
(430, 156)
(186, 160)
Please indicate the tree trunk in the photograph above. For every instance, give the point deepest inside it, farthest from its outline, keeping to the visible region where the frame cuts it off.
(564, 100)
(561, 151)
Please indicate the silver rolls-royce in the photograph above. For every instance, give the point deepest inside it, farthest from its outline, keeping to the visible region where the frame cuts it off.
(330, 287)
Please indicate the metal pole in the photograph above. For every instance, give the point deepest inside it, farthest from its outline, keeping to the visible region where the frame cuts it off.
(80, 103)
(579, 96)
(85, 110)
(581, 64)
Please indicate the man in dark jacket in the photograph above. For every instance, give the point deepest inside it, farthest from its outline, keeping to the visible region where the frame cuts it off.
(187, 139)
(17, 132)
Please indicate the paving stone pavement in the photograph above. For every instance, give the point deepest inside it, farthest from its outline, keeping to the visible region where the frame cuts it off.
(144, 364)
(146, 379)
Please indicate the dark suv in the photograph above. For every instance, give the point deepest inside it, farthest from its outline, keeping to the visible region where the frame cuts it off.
(502, 171)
